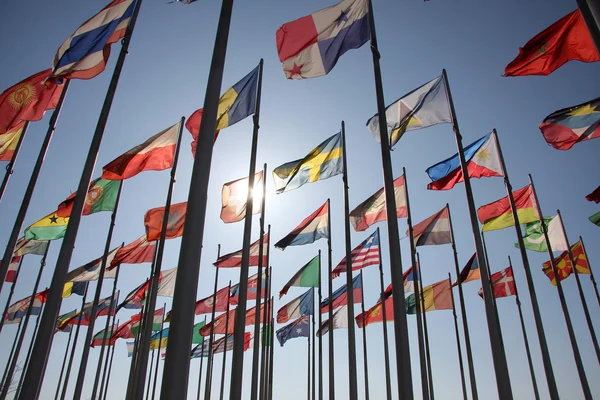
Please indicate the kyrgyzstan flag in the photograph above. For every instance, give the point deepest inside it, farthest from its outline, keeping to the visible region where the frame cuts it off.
(153, 221)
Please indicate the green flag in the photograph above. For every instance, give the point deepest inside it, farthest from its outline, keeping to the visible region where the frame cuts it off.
(101, 196)
(595, 219)
(265, 334)
(197, 338)
(307, 276)
(411, 304)
(534, 237)
(51, 227)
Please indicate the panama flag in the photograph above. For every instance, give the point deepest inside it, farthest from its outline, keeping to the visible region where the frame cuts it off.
(365, 254)
(85, 53)
(311, 46)
(482, 160)
(340, 296)
(314, 227)
(299, 307)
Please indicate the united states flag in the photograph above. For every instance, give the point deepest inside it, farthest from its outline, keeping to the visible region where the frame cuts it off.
(365, 254)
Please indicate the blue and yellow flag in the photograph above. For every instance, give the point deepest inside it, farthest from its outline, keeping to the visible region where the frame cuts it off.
(159, 340)
(323, 162)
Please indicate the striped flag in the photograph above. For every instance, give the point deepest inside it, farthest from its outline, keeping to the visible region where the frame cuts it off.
(434, 230)
(340, 296)
(137, 252)
(340, 320)
(307, 276)
(9, 140)
(234, 259)
(365, 254)
(373, 209)
(314, 227)
(91, 271)
(300, 306)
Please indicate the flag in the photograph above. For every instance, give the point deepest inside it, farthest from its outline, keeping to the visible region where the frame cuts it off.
(124, 330)
(503, 284)
(155, 154)
(314, 227)
(252, 289)
(564, 266)
(234, 197)
(564, 128)
(311, 46)
(300, 306)
(374, 210)
(205, 305)
(136, 297)
(423, 107)
(71, 288)
(340, 320)
(85, 53)
(409, 277)
(103, 309)
(153, 220)
(37, 247)
(340, 295)
(375, 313)
(363, 255)
(202, 349)
(266, 333)
(566, 40)
(130, 348)
(219, 323)
(434, 230)
(91, 270)
(166, 285)
(482, 159)
(534, 237)
(51, 227)
(470, 272)
(13, 268)
(296, 329)
(497, 215)
(197, 338)
(159, 339)
(226, 343)
(237, 103)
(595, 219)
(101, 196)
(594, 196)
(437, 296)
(234, 259)
(137, 252)
(61, 319)
(9, 141)
(157, 321)
(18, 310)
(103, 337)
(323, 162)
(307, 276)
(78, 319)
(28, 100)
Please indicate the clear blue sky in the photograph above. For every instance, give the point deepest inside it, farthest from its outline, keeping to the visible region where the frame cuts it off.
(164, 78)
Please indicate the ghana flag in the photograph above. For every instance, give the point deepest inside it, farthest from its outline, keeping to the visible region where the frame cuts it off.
(51, 227)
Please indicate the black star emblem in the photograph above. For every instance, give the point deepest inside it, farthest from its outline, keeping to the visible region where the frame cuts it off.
(53, 219)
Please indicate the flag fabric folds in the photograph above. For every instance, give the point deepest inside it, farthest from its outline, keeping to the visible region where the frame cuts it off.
(299, 307)
(594, 196)
(220, 326)
(564, 128)
(101, 196)
(375, 313)
(91, 270)
(61, 319)
(153, 220)
(470, 272)
(205, 305)
(18, 309)
(423, 107)
(202, 349)
(51, 227)
(595, 219)
(323, 162)
(103, 309)
(13, 267)
(363, 255)
(137, 252)
(28, 100)
(340, 295)
(409, 278)
(534, 236)
(157, 321)
(503, 284)
(85, 53)
(373, 209)
(155, 154)
(103, 337)
(434, 230)
(311, 46)
(159, 339)
(234, 197)
(564, 266)
(136, 297)
(234, 259)
(437, 296)
(252, 289)
(565, 40)
(71, 288)
(339, 318)
(307, 276)
(296, 329)
(497, 215)
(314, 227)
(197, 338)
(9, 141)
(24, 247)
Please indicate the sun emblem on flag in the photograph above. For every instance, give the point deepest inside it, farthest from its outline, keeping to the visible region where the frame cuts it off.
(484, 155)
(94, 195)
(22, 96)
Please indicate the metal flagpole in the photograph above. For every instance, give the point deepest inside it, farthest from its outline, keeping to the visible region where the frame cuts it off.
(270, 385)
(580, 369)
(489, 278)
(209, 367)
(458, 347)
(425, 332)
(320, 336)
(62, 369)
(150, 375)
(28, 357)
(269, 360)
(463, 311)
(590, 10)
(352, 379)
(330, 307)
(314, 383)
(263, 370)
(256, 352)
(403, 368)
(548, 369)
(12, 352)
(425, 385)
(586, 311)
(112, 356)
(308, 365)
(202, 358)
(14, 236)
(527, 350)
(177, 361)
(386, 351)
(106, 361)
(90, 329)
(591, 271)
(43, 342)
(366, 363)
(11, 292)
(160, 337)
(11, 163)
(222, 391)
(498, 354)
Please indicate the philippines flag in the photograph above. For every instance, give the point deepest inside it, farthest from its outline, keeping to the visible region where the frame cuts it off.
(340, 296)
(311, 46)
(365, 254)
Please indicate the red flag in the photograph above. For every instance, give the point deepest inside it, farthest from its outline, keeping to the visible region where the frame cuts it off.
(193, 126)
(27, 101)
(566, 40)
(219, 322)
(252, 289)
(234, 196)
(204, 306)
(375, 313)
(564, 266)
(137, 252)
(154, 218)
(594, 196)
(13, 267)
(234, 259)
(9, 141)
(503, 284)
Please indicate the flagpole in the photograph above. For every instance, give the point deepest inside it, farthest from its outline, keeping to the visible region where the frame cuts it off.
(425, 331)
(386, 351)
(12, 353)
(62, 369)
(425, 385)
(366, 363)
(112, 356)
(201, 360)
(256, 352)
(269, 365)
(586, 311)
(591, 15)
(270, 385)
(11, 292)
(263, 370)
(489, 278)
(150, 375)
(13, 159)
(527, 350)
(320, 315)
(330, 307)
(308, 365)
(458, 348)
(160, 337)
(222, 391)
(209, 367)
(314, 383)
(90, 330)
(403, 368)
(548, 369)
(14, 235)
(463, 312)
(106, 361)
(591, 271)
(579, 364)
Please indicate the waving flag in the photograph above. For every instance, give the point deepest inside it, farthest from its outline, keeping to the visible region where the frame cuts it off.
(85, 53)
(13, 267)
(234, 259)
(314, 227)
(594, 196)
(298, 328)
(101, 196)
(564, 266)
(9, 141)
(137, 252)
(91, 270)
(322, 162)
(534, 237)
(503, 284)
(437, 296)
(409, 278)
(205, 305)
(434, 230)
(340, 320)
(136, 297)
(365, 254)
(220, 326)
(300, 306)
(18, 310)
(234, 197)
(51, 227)
(497, 215)
(595, 219)
(375, 313)
(153, 220)
(160, 339)
(61, 319)
(104, 307)
(564, 128)
(470, 272)
(252, 289)
(340, 295)
(311, 46)
(307, 276)
(71, 288)
(103, 337)
(374, 210)
(23, 247)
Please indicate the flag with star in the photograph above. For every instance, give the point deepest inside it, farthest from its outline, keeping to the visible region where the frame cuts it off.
(153, 221)
(51, 227)
(298, 328)
(101, 196)
(564, 128)
(323, 162)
